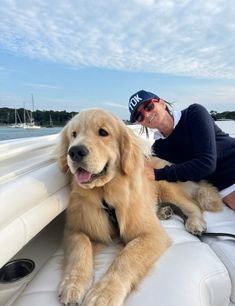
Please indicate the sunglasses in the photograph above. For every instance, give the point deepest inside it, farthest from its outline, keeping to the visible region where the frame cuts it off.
(147, 107)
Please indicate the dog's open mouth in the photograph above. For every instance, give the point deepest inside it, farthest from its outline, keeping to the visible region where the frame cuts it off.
(84, 177)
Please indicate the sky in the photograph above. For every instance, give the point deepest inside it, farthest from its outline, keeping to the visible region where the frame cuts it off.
(96, 53)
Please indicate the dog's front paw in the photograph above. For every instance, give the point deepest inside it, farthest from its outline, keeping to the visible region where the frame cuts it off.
(195, 225)
(72, 291)
(104, 295)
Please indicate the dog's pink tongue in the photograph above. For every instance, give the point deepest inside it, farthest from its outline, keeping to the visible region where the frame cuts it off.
(82, 176)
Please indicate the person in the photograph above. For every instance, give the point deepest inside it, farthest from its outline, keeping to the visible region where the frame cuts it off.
(189, 139)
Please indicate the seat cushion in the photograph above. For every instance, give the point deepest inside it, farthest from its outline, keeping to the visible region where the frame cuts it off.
(189, 273)
(33, 191)
(224, 247)
(28, 205)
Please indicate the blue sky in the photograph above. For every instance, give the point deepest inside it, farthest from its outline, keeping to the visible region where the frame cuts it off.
(93, 53)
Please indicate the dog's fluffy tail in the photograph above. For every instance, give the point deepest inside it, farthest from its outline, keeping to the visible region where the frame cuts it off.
(208, 197)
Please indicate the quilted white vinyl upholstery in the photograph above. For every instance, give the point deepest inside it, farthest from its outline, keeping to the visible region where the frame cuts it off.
(224, 247)
(189, 273)
(33, 191)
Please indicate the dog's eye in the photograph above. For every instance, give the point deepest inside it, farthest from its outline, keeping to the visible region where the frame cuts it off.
(74, 134)
(103, 133)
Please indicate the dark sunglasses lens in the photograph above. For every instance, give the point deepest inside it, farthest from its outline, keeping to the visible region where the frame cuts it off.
(139, 117)
(149, 106)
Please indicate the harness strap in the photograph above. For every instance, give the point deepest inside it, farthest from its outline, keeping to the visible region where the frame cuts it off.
(218, 234)
(110, 211)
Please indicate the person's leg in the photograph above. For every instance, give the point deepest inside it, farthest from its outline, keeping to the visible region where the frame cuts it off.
(230, 200)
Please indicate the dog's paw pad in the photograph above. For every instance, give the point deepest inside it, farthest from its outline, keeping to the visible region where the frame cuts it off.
(165, 212)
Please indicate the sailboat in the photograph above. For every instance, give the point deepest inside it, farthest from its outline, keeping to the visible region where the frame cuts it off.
(50, 122)
(31, 123)
(18, 123)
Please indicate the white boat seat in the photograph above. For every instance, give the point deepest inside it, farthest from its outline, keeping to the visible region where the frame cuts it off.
(189, 273)
(224, 247)
(33, 192)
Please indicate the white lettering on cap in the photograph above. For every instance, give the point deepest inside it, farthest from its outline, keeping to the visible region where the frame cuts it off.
(134, 101)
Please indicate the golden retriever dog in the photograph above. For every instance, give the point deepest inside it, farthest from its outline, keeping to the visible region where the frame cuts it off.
(111, 197)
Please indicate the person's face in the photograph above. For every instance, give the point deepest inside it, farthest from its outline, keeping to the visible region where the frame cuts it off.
(151, 113)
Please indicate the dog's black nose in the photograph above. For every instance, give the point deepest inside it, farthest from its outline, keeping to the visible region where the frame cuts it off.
(78, 152)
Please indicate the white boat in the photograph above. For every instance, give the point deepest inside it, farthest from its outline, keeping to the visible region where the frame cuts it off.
(29, 122)
(33, 197)
(18, 123)
(31, 126)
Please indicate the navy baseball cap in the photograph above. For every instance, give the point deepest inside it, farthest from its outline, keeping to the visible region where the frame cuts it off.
(137, 99)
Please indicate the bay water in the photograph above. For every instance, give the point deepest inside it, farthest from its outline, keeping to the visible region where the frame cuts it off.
(7, 133)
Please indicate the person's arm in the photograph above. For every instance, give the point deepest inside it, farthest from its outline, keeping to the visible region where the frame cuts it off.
(200, 126)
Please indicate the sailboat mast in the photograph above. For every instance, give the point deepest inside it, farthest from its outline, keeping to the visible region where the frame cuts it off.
(31, 117)
(32, 103)
(25, 123)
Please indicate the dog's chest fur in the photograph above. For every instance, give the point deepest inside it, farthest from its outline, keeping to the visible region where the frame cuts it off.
(94, 212)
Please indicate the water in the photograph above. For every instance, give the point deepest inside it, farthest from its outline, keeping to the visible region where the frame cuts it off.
(14, 133)
(227, 126)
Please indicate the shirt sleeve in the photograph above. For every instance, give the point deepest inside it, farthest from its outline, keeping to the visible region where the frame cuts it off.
(200, 126)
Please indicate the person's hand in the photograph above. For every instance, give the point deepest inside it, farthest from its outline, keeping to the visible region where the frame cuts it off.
(149, 172)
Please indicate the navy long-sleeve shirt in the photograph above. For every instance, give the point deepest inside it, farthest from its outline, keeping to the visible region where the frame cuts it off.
(198, 149)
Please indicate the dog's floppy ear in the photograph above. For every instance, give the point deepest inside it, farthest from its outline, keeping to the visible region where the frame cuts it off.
(132, 157)
(62, 149)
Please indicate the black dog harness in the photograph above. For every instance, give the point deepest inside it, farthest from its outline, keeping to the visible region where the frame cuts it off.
(111, 214)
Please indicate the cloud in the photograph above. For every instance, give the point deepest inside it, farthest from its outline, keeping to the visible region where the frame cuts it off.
(43, 86)
(214, 96)
(113, 104)
(4, 69)
(180, 37)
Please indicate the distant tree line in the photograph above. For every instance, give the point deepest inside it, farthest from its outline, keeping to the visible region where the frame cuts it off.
(224, 115)
(43, 118)
(60, 118)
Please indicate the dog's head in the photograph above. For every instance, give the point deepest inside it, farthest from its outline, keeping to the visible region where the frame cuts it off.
(95, 146)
